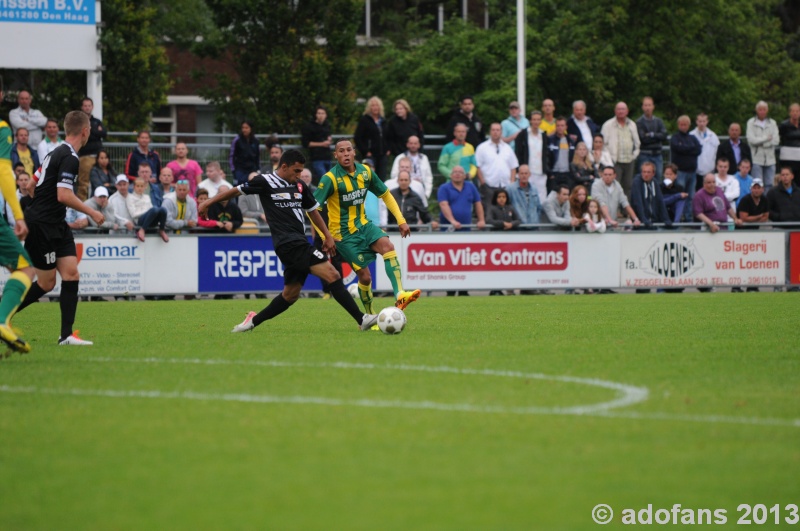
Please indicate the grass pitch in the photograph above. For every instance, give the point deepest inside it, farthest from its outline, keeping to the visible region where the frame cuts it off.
(171, 422)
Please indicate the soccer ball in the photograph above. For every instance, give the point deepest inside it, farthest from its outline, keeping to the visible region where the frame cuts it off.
(353, 290)
(391, 320)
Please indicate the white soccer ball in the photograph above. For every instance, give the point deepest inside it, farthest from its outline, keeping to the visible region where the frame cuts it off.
(391, 320)
(353, 290)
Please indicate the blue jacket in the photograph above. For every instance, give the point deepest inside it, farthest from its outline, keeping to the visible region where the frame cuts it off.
(15, 157)
(553, 143)
(658, 211)
(572, 129)
(529, 211)
(684, 150)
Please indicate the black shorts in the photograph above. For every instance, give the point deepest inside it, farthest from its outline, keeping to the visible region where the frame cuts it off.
(46, 243)
(297, 259)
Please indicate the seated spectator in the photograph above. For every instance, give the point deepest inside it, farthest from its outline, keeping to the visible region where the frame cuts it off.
(25, 116)
(557, 209)
(646, 197)
(410, 203)
(143, 153)
(250, 205)
(103, 174)
(76, 220)
(51, 140)
(611, 197)
(711, 206)
(405, 164)
(727, 183)
(502, 215)
(99, 201)
(561, 150)
(594, 218)
(674, 196)
(419, 166)
(163, 188)
(119, 203)
(600, 156)
(754, 207)
(581, 168)
(458, 153)
(225, 213)
(23, 191)
(525, 197)
(181, 207)
(202, 220)
(578, 207)
(143, 213)
(784, 198)
(214, 178)
(19, 168)
(185, 169)
(22, 152)
(745, 179)
(402, 126)
(457, 199)
(245, 156)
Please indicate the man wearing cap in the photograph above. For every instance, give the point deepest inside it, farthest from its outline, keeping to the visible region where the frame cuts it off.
(100, 202)
(754, 207)
(514, 124)
(119, 203)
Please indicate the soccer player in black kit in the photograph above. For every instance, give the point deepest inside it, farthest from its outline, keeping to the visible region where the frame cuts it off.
(50, 243)
(286, 200)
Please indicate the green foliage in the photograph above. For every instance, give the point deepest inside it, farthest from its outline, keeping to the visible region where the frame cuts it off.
(289, 56)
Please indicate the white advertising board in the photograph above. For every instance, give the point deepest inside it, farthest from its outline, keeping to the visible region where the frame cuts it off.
(702, 259)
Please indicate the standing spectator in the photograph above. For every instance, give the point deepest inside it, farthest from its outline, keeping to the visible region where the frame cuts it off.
(410, 203)
(561, 150)
(316, 138)
(733, 148)
(710, 205)
(744, 179)
(403, 125)
(578, 207)
(420, 165)
(531, 149)
(25, 116)
(622, 139)
(502, 215)
(646, 197)
(244, 156)
(391, 184)
(653, 134)
(164, 187)
(99, 202)
(143, 213)
(214, 178)
(143, 153)
(457, 199)
(466, 115)
(685, 148)
(581, 167)
(275, 154)
(89, 153)
(225, 213)
(789, 132)
(580, 127)
(525, 197)
(515, 124)
(548, 117)
(51, 140)
(675, 197)
(754, 207)
(21, 151)
(458, 152)
(102, 174)
(185, 169)
(727, 183)
(709, 142)
(181, 207)
(611, 197)
(763, 136)
(784, 198)
(119, 203)
(557, 209)
(497, 164)
(250, 205)
(370, 136)
(600, 156)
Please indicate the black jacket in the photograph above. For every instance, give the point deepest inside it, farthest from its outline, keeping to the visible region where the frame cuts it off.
(649, 208)
(652, 133)
(572, 129)
(244, 155)
(684, 150)
(410, 205)
(553, 147)
(316, 132)
(790, 135)
(370, 137)
(498, 215)
(522, 151)
(725, 149)
(782, 205)
(476, 132)
(97, 134)
(398, 131)
(229, 212)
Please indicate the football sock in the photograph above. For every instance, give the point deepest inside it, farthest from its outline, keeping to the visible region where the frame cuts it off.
(68, 300)
(393, 271)
(277, 306)
(365, 294)
(34, 294)
(13, 295)
(347, 302)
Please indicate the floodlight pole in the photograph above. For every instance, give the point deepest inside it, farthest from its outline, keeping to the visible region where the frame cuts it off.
(521, 55)
(94, 78)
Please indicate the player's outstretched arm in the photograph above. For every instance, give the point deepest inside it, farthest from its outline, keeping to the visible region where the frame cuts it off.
(228, 194)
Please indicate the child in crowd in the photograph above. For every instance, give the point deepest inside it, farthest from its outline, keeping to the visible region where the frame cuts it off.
(594, 218)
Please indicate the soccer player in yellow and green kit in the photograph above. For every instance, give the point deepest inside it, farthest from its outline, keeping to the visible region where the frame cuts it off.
(344, 188)
(12, 254)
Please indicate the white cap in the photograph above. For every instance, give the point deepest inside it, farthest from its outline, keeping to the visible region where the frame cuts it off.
(122, 177)
(100, 191)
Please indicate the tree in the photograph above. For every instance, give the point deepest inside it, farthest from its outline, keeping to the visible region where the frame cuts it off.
(289, 56)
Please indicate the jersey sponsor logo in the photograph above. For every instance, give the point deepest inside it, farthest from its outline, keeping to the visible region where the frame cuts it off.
(299, 187)
(282, 197)
(488, 257)
(298, 196)
(355, 196)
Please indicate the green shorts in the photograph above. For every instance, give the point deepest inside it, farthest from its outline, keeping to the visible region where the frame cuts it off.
(354, 248)
(12, 254)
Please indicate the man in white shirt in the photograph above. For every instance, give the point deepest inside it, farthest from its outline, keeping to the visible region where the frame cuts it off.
(727, 183)
(420, 168)
(51, 140)
(25, 116)
(497, 164)
(531, 149)
(216, 177)
(709, 142)
(580, 127)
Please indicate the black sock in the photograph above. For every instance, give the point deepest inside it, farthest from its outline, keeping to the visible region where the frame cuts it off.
(34, 294)
(346, 300)
(68, 300)
(277, 306)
